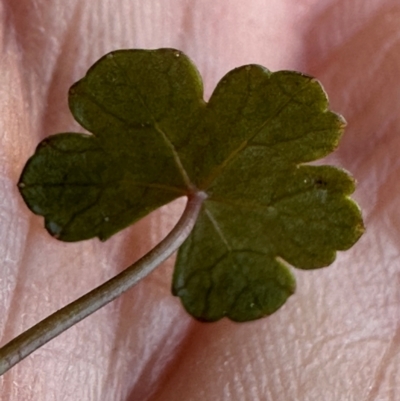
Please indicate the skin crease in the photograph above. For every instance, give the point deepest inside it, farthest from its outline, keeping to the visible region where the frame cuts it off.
(337, 338)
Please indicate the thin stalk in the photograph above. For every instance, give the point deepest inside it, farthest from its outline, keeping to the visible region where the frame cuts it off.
(44, 331)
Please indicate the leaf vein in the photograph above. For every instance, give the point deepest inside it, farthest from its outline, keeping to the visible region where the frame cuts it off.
(217, 229)
(279, 142)
(218, 170)
(170, 145)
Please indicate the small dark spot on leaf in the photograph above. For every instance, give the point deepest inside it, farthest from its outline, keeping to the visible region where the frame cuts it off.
(320, 183)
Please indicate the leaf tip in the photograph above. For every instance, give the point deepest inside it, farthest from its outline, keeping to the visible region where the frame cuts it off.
(342, 121)
(54, 229)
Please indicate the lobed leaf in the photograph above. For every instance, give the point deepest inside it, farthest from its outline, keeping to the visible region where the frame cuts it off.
(153, 139)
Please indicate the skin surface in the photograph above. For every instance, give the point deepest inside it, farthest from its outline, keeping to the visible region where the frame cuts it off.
(337, 338)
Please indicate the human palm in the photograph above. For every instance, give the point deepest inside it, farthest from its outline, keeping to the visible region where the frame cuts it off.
(337, 338)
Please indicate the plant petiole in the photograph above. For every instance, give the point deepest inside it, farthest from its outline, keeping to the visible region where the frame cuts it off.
(49, 328)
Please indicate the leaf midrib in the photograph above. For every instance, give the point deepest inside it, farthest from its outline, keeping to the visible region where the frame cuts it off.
(158, 129)
(232, 156)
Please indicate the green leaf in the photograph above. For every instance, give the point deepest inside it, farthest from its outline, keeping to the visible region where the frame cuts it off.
(136, 103)
(155, 139)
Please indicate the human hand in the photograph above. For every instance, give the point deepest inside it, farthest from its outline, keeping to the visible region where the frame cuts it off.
(336, 338)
